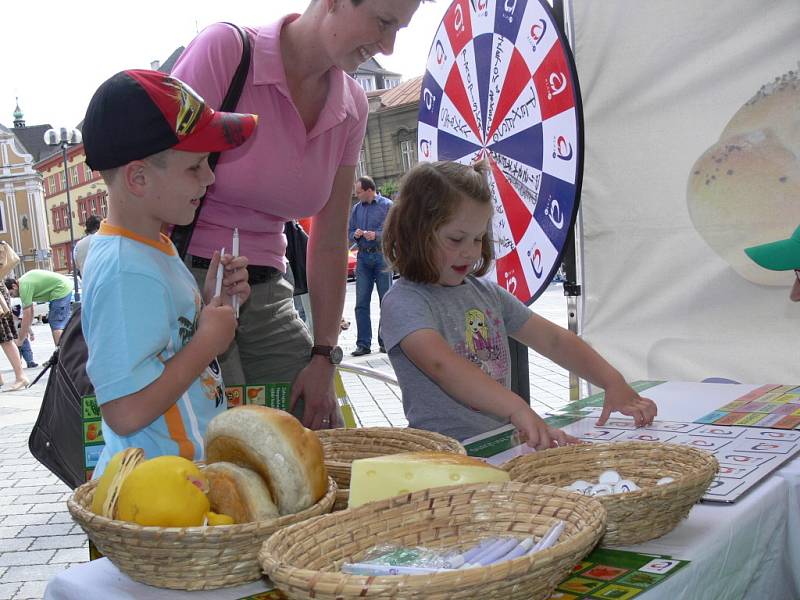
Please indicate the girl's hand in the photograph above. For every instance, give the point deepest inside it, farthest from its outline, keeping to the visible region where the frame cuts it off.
(537, 433)
(621, 397)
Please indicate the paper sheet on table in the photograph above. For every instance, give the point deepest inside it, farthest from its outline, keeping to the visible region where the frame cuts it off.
(682, 401)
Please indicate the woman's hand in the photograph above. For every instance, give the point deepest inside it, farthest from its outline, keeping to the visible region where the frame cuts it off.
(622, 398)
(315, 385)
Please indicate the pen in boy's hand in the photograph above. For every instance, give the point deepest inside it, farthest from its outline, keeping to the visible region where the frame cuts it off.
(220, 272)
(235, 253)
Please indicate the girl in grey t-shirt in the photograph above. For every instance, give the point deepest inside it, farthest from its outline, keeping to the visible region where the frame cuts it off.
(446, 329)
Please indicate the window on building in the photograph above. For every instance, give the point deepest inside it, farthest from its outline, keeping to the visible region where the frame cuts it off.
(408, 154)
(87, 172)
(63, 181)
(65, 216)
(56, 216)
(83, 210)
(52, 184)
(390, 82)
(74, 180)
(366, 82)
(2, 217)
(361, 167)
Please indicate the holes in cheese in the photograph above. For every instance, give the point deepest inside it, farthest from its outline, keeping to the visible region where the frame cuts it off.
(382, 477)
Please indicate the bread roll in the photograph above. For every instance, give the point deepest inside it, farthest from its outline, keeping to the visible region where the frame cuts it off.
(275, 445)
(744, 190)
(239, 492)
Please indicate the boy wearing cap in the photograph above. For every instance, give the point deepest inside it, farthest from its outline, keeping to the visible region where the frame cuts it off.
(783, 255)
(152, 342)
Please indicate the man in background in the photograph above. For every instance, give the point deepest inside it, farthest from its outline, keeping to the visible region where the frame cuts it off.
(82, 247)
(39, 285)
(366, 229)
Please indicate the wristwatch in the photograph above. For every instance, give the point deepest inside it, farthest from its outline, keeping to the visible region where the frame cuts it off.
(334, 353)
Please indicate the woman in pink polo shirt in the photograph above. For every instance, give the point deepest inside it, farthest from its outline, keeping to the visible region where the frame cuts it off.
(300, 162)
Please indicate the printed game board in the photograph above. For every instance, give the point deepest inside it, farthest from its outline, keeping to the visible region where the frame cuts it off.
(616, 574)
(775, 406)
(745, 454)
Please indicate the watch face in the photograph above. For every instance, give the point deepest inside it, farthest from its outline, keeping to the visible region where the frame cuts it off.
(336, 355)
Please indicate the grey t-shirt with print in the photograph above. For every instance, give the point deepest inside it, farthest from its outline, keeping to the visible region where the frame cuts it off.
(475, 319)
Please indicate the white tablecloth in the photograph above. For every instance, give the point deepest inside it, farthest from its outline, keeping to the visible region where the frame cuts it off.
(101, 579)
(747, 550)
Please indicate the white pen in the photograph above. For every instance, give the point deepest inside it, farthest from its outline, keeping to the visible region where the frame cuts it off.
(235, 253)
(549, 538)
(220, 272)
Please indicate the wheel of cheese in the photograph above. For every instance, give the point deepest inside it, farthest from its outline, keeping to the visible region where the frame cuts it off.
(745, 189)
(274, 444)
(239, 492)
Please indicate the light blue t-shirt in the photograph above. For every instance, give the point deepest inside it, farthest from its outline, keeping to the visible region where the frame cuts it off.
(140, 307)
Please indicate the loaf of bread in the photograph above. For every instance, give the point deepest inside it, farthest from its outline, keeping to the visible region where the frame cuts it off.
(274, 444)
(239, 492)
(744, 190)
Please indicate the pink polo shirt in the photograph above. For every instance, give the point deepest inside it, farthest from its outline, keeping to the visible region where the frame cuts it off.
(283, 171)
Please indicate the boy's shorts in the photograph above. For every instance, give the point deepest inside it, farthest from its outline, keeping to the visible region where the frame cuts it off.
(59, 312)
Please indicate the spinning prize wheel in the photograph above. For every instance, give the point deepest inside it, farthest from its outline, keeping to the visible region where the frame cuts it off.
(500, 83)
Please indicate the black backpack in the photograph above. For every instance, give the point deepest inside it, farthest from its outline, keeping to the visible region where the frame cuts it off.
(56, 439)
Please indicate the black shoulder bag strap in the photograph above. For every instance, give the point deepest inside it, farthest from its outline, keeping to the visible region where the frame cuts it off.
(182, 234)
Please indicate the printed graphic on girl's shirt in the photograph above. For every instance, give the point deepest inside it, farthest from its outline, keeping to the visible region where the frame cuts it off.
(483, 345)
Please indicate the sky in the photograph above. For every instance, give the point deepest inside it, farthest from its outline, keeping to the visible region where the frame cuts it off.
(57, 53)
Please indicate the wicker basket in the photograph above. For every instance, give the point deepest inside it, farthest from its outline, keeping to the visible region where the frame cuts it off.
(343, 446)
(303, 560)
(190, 558)
(633, 517)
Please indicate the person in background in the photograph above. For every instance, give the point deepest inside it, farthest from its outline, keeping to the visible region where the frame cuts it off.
(446, 328)
(25, 350)
(781, 255)
(300, 163)
(8, 335)
(82, 247)
(153, 336)
(366, 228)
(38, 285)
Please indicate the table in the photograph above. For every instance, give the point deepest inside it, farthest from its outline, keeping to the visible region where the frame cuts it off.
(750, 549)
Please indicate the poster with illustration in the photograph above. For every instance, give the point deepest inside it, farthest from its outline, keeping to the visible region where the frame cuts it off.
(694, 155)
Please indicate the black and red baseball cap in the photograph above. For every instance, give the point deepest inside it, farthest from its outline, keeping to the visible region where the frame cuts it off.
(137, 113)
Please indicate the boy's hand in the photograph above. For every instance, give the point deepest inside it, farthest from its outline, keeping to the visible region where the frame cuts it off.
(621, 397)
(234, 278)
(217, 326)
(537, 433)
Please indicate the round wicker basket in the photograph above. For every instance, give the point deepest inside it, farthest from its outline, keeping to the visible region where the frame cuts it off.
(303, 560)
(633, 517)
(189, 558)
(342, 446)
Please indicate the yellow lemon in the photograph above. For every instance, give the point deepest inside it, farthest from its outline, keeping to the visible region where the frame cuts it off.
(166, 491)
(219, 519)
(130, 457)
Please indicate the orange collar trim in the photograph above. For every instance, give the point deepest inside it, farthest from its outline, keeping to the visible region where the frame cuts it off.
(164, 244)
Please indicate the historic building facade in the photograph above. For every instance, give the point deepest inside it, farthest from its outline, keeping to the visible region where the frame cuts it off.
(23, 217)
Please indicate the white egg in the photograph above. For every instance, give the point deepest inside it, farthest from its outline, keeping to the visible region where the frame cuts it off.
(624, 486)
(609, 477)
(664, 481)
(602, 489)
